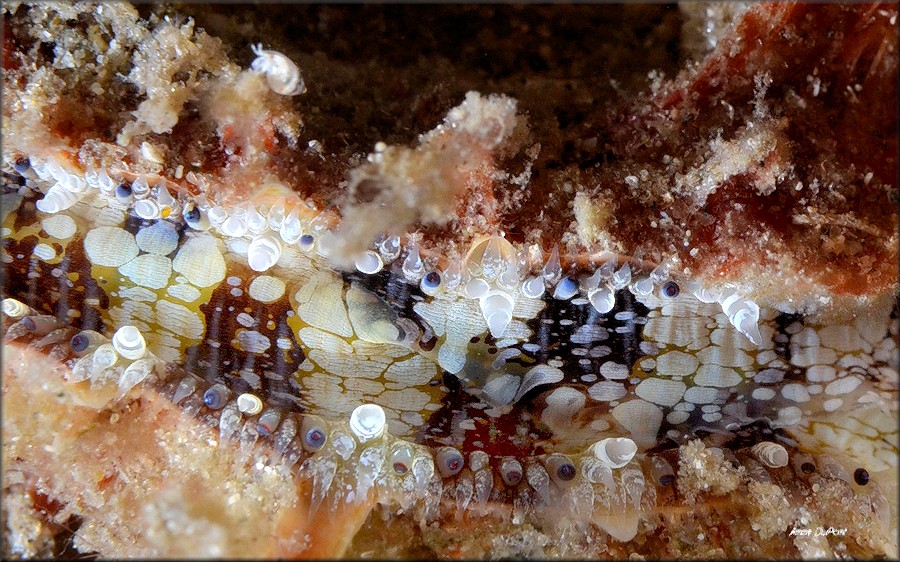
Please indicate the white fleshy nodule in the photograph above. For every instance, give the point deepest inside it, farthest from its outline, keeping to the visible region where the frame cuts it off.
(263, 253)
(290, 229)
(770, 454)
(745, 319)
(369, 262)
(256, 223)
(58, 199)
(533, 288)
(622, 277)
(597, 472)
(133, 375)
(742, 314)
(129, 343)
(565, 289)
(15, 309)
(234, 226)
(602, 298)
(249, 404)
(552, 271)
(104, 357)
(509, 279)
(643, 286)
(367, 422)
(614, 452)
(146, 209)
(492, 257)
(389, 248)
(216, 215)
(413, 267)
(497, 307)
(165, 199)
(477, 288)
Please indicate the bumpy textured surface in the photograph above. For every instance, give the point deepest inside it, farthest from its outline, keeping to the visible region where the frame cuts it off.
(268, 294)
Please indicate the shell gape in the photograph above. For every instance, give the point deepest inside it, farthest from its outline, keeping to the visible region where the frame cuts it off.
(664, 362)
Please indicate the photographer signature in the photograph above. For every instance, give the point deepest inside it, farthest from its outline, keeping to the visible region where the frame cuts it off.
(818, 532)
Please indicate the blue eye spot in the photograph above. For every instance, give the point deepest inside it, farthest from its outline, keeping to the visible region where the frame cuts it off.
(307, 240)
(315, 438)
(511, 471)
(449, 461)
(215, 396)
(79, 343)
(268, 421)
(566, 471)
(123, 191)
(671, 290)
(566, 288)
(193, 215)
(313, 433)
(432, 279)
(22, 164)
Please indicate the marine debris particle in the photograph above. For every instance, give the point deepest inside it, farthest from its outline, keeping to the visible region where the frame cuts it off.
(399, 186)
(282, 75)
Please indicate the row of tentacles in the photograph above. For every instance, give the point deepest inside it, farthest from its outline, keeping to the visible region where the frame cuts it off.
(347, 460)
(493, 272)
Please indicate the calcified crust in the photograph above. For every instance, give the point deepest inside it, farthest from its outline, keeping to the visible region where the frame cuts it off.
(214, 314)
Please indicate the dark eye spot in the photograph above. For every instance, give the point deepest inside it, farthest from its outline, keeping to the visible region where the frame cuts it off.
(511, 472)
(808, 468)
(21, 164)
(667, 479)
(449, 461)
(566, 288)
(512, 477)
(428, 344)
(79, 343)
(315, 438)
(566, 471)
(123, 191)
(268, 421)
(193, 215)
(313, 433)
(401, 459)
(215, 396)
(861, 475)
(671, 290)
(432, 279)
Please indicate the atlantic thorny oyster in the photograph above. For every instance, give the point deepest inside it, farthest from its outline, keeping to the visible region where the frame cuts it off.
(267, 296)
